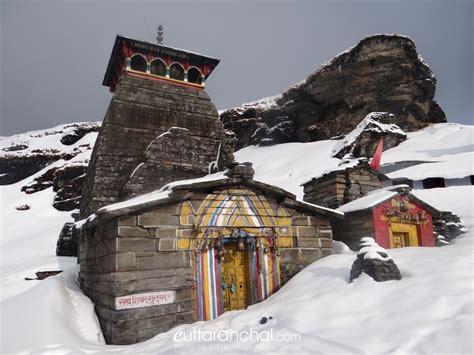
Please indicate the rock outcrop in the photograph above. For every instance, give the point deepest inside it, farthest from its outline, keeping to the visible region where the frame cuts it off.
(374, 261)
(363, 140)
(382, 73)
(68, 241)
(446, 227)
(25, 154)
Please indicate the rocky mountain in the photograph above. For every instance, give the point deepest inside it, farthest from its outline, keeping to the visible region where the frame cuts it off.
(57, 157)
(381, 87)
(382, 73)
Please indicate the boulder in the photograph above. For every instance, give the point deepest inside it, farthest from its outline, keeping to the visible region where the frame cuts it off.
(79, 131)
(67, 241)
(382, 73)
(374, 261)
(67, 181)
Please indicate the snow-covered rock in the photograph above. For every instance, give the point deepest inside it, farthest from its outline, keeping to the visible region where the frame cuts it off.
(64, 150)
(363, 140)
(374, 261)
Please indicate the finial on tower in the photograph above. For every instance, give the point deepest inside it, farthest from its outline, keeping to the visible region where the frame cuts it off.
(159, 38)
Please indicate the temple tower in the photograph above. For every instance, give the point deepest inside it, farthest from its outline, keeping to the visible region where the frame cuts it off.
(160, 125)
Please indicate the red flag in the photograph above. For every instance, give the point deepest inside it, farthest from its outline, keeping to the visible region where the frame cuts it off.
(375, 163)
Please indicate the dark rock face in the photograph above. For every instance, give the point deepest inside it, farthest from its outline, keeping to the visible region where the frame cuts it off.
(18, 161)
(68, 185)
(80, 130)
(129, 150)
(17, 168)
(362, 142)
(374, 261)
(68, 241)
(382, 73)
(67, 181)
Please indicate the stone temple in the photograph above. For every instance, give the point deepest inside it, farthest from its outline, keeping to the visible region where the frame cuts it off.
(154, 257)
(156, 88)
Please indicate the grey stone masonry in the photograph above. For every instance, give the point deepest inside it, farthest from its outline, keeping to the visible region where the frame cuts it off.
(342, 186)
(140, 111)
(132, 255)
(137, 251)
(312, 240)
(353, 228)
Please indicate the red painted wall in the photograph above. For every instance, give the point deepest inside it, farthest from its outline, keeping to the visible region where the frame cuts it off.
(382, 236)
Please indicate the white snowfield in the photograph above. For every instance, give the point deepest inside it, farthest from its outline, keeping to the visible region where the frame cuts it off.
(447, 149)
(429, 311)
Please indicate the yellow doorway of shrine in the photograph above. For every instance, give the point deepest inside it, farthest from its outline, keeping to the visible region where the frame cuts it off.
(234, 270)
(403, 235)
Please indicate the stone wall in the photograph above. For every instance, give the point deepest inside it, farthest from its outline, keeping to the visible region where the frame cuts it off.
(153, 250)
(354, 227)
(141, 110)
(174, 155)
(137, 254)
(340, 187)
(312, 240)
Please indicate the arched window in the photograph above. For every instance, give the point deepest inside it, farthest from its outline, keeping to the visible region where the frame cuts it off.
(176, 72)
(138, 63)
(158, 67)
(194, 76)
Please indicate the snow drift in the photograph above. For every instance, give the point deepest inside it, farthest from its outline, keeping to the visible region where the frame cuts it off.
(429, 311)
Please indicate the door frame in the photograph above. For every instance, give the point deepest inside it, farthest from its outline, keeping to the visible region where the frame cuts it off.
(411, 229)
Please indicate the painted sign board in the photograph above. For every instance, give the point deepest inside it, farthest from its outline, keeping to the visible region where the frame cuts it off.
(148, 299)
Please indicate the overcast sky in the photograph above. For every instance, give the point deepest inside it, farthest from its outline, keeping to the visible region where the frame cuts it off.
(54, 53)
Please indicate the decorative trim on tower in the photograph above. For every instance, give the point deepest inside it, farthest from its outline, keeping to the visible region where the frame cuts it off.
(125, 48)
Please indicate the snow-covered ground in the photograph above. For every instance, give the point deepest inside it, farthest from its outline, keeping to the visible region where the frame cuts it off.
(429, 311)
(447, 149)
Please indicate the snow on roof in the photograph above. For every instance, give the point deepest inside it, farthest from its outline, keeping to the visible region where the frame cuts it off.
(190, 182)
(343, 165)
(372, 199)
(166, 194)
(340, 213)
(153, 196)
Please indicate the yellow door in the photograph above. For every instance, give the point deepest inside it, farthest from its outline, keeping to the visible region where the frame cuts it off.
(234, 278)
(403, 235)
(400, 239)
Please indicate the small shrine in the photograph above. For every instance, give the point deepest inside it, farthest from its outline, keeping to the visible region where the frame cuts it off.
(393, 216)
(196, 249)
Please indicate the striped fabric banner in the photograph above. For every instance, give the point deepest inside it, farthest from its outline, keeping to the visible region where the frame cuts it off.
(264, 278)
